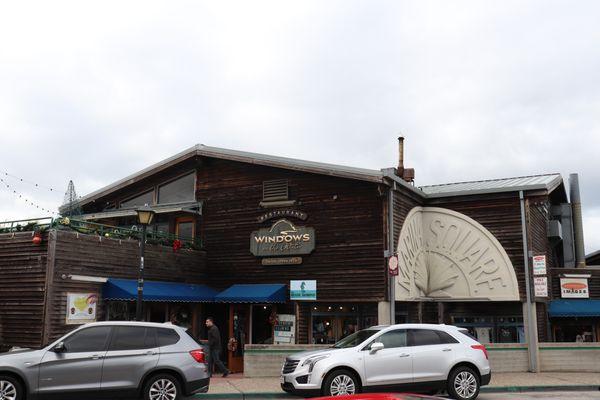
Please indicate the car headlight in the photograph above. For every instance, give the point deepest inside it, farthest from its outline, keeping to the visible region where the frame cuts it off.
(313, 360)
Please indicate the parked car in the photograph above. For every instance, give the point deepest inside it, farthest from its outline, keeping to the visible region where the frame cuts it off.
(414, 357)
(135, 359)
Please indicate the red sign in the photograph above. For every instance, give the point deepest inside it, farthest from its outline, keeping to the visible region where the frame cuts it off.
(393, 265)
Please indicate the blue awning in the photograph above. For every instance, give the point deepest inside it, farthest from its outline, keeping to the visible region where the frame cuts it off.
(574, 308)
(126, 289)
(258, 293)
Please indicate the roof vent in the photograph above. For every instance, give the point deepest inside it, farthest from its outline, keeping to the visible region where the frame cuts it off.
(275, 190)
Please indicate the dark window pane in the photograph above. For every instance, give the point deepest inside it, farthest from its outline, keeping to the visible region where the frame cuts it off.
(423, 337)
(446, 338)
(393, 339)
(87, 340)
(166, 337)
(150, 340)
(146, 198)
(185, 230)
(132, 338)
(178, 191)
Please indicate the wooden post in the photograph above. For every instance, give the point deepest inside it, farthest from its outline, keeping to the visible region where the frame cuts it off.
(49, 287)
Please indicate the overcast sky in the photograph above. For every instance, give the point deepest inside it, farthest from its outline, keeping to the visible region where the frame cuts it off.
(480, 89)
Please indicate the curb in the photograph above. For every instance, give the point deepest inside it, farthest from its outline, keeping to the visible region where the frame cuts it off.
(243, 396)
(485, 389)
(541, 388)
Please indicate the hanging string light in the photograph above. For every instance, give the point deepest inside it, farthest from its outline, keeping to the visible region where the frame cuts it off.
(37, 185)
(25, 199)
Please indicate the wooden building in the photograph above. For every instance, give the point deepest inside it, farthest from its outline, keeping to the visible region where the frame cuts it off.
(297, 251)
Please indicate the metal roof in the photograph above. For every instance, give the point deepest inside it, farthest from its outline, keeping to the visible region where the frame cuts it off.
(547, 182)
(386, 176)
(342, 171)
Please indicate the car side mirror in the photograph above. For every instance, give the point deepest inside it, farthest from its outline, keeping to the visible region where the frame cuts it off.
(59, 348)
(375, 347)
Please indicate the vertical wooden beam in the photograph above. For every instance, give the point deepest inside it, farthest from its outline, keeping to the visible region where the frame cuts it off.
(49, 286)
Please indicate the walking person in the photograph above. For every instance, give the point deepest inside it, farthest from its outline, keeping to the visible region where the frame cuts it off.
(214, 348)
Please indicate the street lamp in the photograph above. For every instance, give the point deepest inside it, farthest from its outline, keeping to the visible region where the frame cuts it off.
(145, 215)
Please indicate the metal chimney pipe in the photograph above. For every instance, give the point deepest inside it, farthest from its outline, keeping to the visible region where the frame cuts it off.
(575, 198)
(400, 155)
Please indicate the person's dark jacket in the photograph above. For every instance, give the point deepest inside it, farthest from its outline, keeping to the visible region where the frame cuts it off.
(214, 338)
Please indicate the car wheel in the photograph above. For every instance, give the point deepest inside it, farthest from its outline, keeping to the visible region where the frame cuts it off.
(162, 387)
(340, 382)
(463, 384)
(10, 388)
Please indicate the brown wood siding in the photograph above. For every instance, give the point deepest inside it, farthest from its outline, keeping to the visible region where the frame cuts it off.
(111, 258)
(22, 289)
(501, 215)
(347, 262)
(404, 201)
(537, 235)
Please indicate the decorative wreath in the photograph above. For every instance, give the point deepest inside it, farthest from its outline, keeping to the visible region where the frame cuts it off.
(232, 345)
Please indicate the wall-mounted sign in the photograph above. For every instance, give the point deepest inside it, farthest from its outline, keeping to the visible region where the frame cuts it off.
(540, 286)
(539, 265)
(574, 288)
(81, 308)
(282, 261)
(303, 290)
(285, 329)
(393, 265)
(281, 239)
(283, 213)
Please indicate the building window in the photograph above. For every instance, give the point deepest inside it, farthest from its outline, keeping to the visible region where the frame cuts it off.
(178, 191)
(185, 228)
(275, 190)
(331, 323)
(139, 200)
(493, 329)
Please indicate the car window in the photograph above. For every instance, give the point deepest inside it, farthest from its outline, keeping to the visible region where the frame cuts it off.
(446, 338)
(355, 339)
(392, 339)
(133, 338)
(166, 336)
(423, 337)
(88, 340)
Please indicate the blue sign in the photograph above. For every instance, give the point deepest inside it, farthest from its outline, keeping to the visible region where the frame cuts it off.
(303, 290)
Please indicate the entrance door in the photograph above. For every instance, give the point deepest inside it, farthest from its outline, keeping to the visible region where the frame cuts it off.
(239, 324)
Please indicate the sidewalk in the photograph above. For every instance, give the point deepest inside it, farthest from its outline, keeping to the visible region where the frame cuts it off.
(237, 387)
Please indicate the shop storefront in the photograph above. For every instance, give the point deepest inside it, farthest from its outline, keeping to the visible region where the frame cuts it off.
(574, 316)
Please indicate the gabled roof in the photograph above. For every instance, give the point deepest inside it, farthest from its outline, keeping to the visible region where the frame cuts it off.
(547, 182)
(387, 176)
(341, 171)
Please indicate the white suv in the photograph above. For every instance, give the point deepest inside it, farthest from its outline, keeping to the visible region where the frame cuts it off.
(415, 357)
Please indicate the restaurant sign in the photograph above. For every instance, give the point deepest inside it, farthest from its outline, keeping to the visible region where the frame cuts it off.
(574, 288)
(282, 239)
